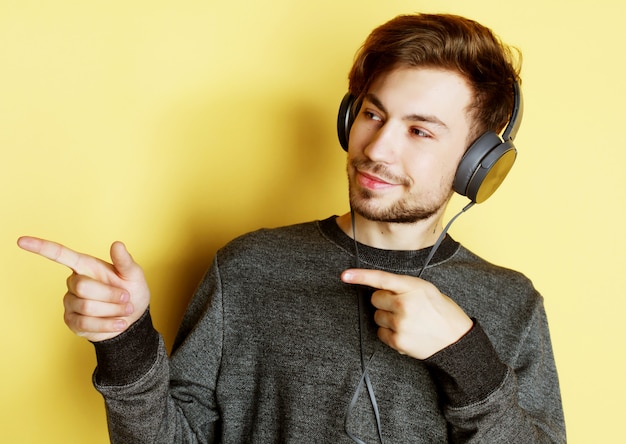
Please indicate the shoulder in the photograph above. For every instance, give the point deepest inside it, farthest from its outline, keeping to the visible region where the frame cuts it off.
(467, 269)
(273, 244)
(268, 237)
(486, 289)
(479, 270)
(505, 302)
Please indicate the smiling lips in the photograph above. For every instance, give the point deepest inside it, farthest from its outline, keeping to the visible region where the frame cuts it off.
(372, 182)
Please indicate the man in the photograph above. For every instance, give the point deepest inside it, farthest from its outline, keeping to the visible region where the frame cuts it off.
(325, 331)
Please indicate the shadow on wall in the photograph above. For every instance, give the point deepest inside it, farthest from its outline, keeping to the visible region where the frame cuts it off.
(226, 185)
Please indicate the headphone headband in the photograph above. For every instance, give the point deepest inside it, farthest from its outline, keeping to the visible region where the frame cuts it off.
(515, 121)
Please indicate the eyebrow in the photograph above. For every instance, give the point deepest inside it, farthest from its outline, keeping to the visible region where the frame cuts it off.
(428, 118)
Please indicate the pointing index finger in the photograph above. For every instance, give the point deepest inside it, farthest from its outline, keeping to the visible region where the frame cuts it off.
(53, 251)
(377, 279)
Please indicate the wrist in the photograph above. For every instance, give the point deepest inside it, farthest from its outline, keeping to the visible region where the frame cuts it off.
(127, 356)
(468, 370)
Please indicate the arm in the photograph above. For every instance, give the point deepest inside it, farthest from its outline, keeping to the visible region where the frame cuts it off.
(108, 304)
(147, 400)
(484, 400)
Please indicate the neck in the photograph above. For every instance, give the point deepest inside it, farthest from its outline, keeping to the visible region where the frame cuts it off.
(393, 236)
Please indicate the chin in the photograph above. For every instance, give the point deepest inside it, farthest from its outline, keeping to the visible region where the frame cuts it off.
(397, 213)
(406, 209)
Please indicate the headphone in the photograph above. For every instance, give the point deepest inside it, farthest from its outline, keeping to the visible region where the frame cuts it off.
(484, 165)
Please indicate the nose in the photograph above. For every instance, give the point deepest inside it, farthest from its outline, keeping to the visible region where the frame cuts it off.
(383, 145)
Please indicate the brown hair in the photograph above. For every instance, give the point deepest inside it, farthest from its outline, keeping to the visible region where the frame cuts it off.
(448, 42)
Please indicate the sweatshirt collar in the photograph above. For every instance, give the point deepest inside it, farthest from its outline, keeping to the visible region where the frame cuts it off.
(410, 261)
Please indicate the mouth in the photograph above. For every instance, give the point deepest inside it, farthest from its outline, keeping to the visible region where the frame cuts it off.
(373, 182)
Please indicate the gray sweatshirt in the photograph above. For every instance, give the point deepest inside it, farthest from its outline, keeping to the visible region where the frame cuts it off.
(272, 346)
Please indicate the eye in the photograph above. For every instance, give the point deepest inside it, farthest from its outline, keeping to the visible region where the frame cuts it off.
(419, 133)
(372, 116)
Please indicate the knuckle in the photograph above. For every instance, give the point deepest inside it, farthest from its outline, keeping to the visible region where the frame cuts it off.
(397, 342)
(67, 318)
(397, 324)
(393, 342)
(81, 324)
(66, 299)
(81, 287)
(399, 305)
(86, 307)
(76, 323)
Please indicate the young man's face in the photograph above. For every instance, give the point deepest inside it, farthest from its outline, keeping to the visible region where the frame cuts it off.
(406, 143)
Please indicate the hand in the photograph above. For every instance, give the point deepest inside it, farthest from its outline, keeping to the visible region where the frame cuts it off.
(103, 299)
(414, 318)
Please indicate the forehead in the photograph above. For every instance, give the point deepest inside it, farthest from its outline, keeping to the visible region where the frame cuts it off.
(424, 91)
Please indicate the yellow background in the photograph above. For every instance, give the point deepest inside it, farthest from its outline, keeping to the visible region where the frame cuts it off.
(176, 125)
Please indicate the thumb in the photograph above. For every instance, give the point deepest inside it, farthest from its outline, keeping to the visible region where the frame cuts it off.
(123, 262)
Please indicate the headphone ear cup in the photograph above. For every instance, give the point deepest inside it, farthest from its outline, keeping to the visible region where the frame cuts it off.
(345, 118)
(484, 166)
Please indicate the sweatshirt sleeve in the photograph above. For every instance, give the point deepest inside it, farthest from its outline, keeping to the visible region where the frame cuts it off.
(151, 398)
(132, 376)
(468, 370)
(486, 400)
(123, 359)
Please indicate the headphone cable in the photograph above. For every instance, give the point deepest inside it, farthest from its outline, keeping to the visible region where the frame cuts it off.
(442, 236)
(364, 365)
(365, 378)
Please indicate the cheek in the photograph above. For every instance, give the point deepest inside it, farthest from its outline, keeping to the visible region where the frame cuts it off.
(362, 132)
(448, 171)
(356, 140)
(432, 173)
